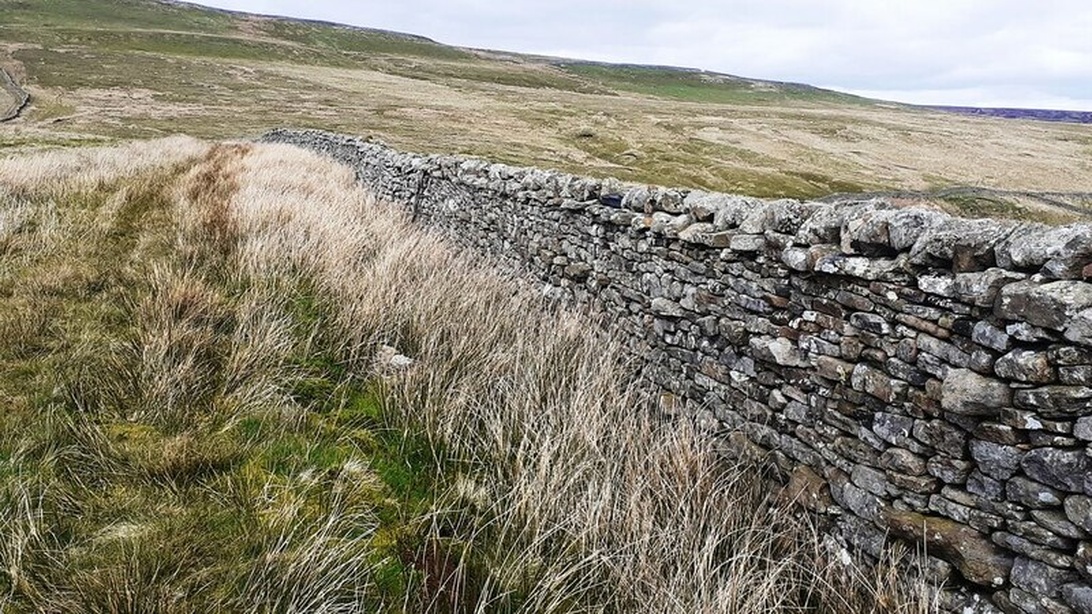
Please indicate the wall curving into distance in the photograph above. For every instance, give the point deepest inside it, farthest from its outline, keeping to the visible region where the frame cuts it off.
(913, 375)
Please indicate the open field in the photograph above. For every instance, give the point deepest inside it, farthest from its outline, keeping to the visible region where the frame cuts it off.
(122, 69)
(204, 411)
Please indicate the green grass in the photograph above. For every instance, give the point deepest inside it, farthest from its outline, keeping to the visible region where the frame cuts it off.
(703, 87)
(121, 14)
(148, 512)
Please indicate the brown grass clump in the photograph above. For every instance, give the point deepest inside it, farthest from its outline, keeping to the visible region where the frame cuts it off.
(206, 425)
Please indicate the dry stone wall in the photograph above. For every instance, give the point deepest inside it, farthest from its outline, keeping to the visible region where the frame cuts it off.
(914, 375)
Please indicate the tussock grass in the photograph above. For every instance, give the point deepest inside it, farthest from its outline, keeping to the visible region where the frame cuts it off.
(206, 421)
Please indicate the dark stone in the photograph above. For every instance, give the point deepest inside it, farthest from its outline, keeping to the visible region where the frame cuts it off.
(1039, 578)
(1025, 366)
(1079, 597)
(1032, 494)
(1066, 470)
(995, 460)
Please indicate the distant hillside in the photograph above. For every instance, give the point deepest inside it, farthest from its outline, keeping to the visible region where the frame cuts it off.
(122, 69)
(1048, 115)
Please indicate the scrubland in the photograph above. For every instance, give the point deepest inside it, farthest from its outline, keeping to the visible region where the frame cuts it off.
(124, 69)
(231, 381)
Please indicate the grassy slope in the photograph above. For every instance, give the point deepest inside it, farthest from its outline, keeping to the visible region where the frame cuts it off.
(197, 418)
(136, 68)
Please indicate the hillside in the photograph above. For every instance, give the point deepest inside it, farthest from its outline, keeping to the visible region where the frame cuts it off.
(122, 69)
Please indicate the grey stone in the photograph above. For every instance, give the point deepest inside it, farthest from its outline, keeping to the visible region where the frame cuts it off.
(1055, 401)
(905, 226)
(870, 480)
(1082, 429)
(1074, 256)
(1075, 376)
(779, 351)
(1039, 578)
(942, 436)
(1031, 549)
(1079, 329)
(666, 308)
(870, 322)
(1027, 603)
(967, 393)
(995, 460)
(986, 487)
(1032, 494)
(1022, 331)
(877, 383)
(1065, 470)
(981, 288)
(902, 461)
(949, 470)
(1050, 305)
(1078, 509)
(990, 336)
(967, 244)
(1082, 560)
(747, 243)
(1025, 366)
(1056, 522)
(1033, 250)
(1078, 596)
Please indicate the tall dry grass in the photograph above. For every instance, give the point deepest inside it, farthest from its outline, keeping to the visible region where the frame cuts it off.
(580, 486)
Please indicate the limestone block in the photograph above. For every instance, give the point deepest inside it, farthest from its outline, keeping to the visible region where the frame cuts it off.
(967, 393)
(1050, 305)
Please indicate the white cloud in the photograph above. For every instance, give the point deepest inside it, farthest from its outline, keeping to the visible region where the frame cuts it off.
(980, 52)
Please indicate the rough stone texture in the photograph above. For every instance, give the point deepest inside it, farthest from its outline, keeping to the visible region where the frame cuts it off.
(914, 374)
(968, 393)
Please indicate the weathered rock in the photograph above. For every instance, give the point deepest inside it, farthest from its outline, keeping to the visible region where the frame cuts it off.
(779, 351)
(967, 244)
(990, 336)
(995, 460)
(666, 308)
(1050, 305)
(1074, 256)
(1039, 578)
(1033, 250)
(877, 383)
(1079, 329)
(1082, 560)
(1055, 401)
(967, 393)
(1079, 597)
(1078, 509)
(1066, 470)
(950, 470)
(981, 288)
(808, 489)
(1057, 523)
(902, 461)
(977, 559)
(1032, 494)
(1082, 429)
(1026, 366)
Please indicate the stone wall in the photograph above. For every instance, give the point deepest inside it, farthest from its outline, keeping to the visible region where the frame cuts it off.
(19, 98)
(913, 374)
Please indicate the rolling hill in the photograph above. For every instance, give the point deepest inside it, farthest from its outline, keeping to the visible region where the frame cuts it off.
(127, 69)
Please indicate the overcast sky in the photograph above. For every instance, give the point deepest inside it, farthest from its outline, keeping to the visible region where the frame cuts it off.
(1024, 53)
